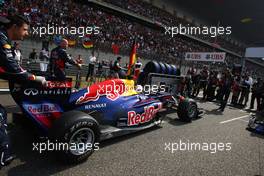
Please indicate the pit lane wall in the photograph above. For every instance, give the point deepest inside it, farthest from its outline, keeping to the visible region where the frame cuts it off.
(27, 45)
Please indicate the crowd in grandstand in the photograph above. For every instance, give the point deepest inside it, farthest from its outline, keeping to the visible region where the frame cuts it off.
(120, 32)
(162, 16)
(72, 14)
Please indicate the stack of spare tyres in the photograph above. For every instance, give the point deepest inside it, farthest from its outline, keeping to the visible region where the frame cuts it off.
(159, 67)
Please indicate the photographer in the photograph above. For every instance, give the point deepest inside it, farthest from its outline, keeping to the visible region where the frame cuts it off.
(196, 80)
(204, 81)
(211, 87)
(235, 90)
(256, 93)
(246, 84)
(226, 84)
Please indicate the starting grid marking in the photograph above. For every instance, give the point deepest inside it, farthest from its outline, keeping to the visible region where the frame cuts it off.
(237, 118)
(233, 119)
(243, 120)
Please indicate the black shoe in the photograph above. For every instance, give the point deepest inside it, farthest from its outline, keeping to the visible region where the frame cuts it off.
(219, 108)
(8, 160)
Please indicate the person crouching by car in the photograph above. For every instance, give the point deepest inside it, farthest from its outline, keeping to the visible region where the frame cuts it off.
(59, 58)
(14, 27)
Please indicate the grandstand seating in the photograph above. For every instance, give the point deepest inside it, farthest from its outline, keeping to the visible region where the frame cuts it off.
(153, 45)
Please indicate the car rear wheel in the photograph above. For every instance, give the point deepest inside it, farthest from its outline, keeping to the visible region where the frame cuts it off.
(79, 133)
(80, 140)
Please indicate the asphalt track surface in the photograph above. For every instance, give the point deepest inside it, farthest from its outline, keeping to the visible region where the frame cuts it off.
(147, 152)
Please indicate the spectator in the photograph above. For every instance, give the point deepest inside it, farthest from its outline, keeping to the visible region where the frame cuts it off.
(44, 59)
(116, 68)
(119, 30)
(33, 55)
(78, 79)
(92, 62)
(18, 55)
(137, 71)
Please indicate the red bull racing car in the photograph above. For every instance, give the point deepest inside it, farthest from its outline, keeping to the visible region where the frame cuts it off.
(102, 111)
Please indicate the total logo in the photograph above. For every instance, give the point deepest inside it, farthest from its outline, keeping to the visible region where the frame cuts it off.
(149, 114)
(42, 108)
(58, 84)
(34, 92)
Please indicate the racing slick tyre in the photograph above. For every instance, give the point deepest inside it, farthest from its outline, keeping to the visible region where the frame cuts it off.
(187, 110)
(152, 67)
(163, 68)
(79, 132)
(168, 69)
(174, 69)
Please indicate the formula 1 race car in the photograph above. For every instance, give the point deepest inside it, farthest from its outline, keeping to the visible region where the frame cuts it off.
(102, 111)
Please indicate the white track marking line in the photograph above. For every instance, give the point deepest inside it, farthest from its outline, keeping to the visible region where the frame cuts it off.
(4, 90)
(234, 119)
(243, 120)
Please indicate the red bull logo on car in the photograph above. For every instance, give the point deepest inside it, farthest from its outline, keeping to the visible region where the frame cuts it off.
(42, 108)
(112, 89)
(45, 112)
(149, 114)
